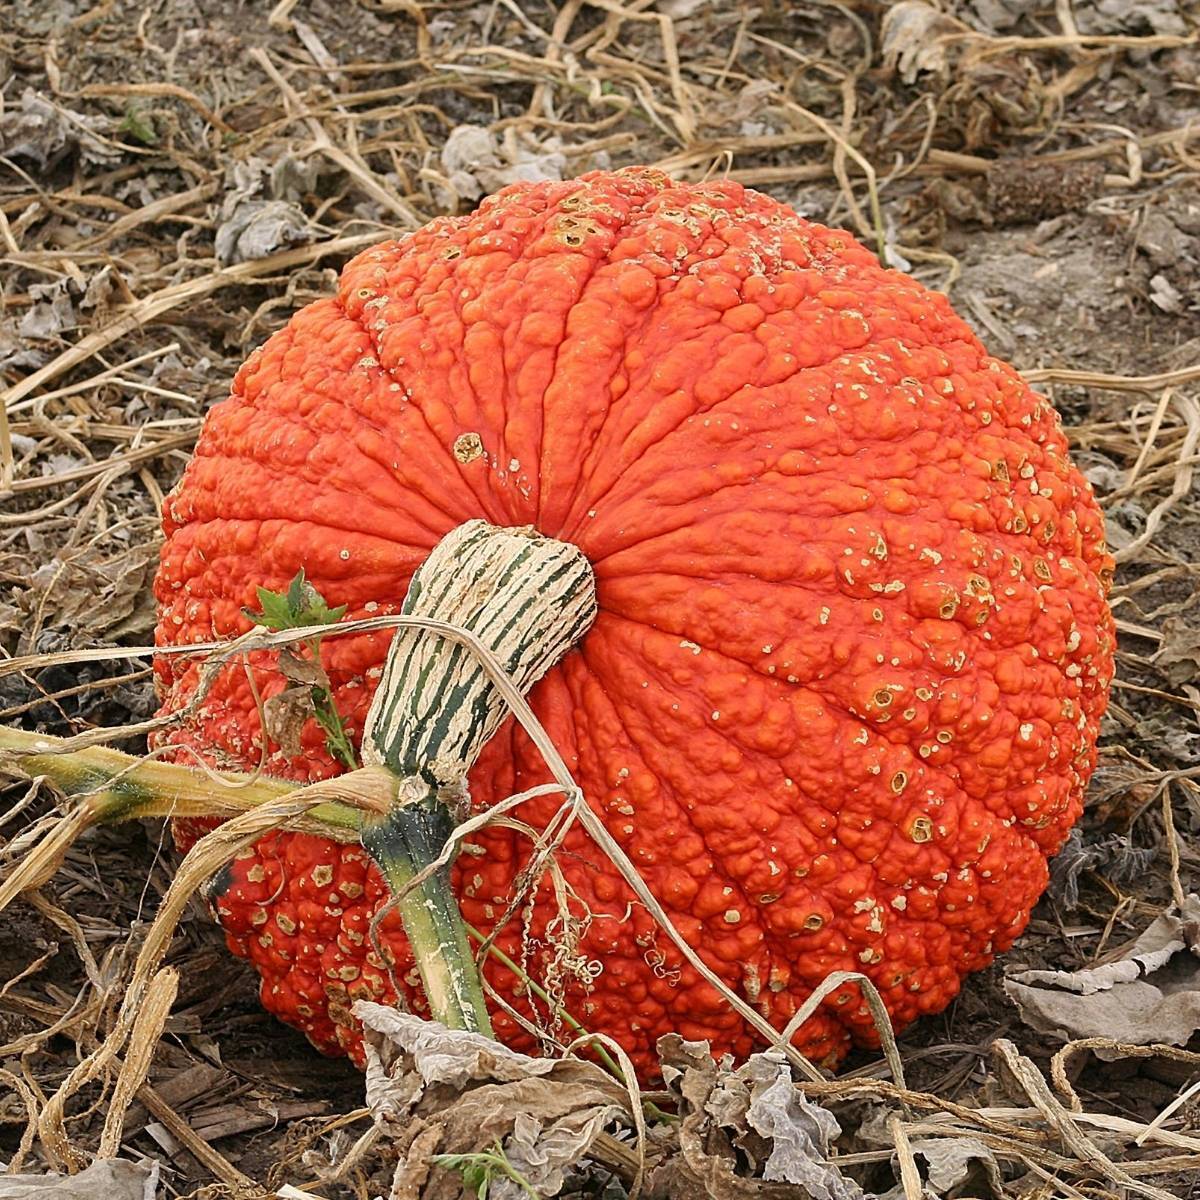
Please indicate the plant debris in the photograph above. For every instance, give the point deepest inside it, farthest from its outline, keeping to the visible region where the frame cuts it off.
(745, 1132)
(105, 1179)
(1151, 993)
(443, 1094)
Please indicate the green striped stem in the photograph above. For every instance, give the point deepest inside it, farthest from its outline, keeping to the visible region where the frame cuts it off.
(403, 843)
(527, 599)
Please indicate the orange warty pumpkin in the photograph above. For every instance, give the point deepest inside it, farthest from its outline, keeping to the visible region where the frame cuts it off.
(841, 699)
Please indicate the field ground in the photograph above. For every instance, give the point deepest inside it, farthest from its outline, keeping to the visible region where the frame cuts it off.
(178, 176)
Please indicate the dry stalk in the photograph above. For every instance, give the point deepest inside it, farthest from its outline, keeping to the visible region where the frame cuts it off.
(240, 1186)
(1060, 1063)
(636, 1105)
(1031, 1082)
(148, 1027)
(29, 1133)
(910, 1177)
(204, 859)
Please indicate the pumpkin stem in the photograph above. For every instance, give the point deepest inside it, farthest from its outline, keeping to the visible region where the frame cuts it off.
(403, 844)
(526, 599)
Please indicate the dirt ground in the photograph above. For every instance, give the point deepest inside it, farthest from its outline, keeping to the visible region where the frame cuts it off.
(178, 176)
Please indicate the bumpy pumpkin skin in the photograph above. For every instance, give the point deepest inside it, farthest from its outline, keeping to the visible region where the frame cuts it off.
(841, 699)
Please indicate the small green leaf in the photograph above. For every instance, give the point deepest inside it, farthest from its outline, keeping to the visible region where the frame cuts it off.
(302, 607)
(477, 1176)
(297, 608)
(138, 127)
(480, 1167)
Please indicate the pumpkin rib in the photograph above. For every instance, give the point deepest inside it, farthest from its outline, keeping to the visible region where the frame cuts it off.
(603, 383)
(446, 457)
(959, 336)
(397, 379)
(681, 811)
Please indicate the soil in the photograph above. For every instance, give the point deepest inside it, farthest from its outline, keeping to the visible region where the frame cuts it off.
(1039, 161)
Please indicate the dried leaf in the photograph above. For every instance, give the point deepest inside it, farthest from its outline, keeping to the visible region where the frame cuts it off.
(478, 162)
(438, 1054)
(1119, 16)
(753, 1116)
(284, 717)
(1180, 650)
(957, 1162)
(95, 596)
(1113, 857)
(1151, 994)
(253, 229)
(800, 1133)
(438, 1092)
(51, 313)
(39, 130)
(105, 1179)
(542, 1153)
(910, 38)
(995, 16)
(302, 670)
(251, 226)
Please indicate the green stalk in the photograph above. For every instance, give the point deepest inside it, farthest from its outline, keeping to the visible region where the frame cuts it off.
(120, 787)
(403, 844)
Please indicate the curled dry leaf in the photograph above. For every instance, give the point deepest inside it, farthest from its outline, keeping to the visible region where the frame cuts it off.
(253, 229)
(477, 161)
(912, 38)
(756, 1110)
(52, 311)
(105, 1179)
(954, 1164)
(37, 130)
(285, 715)
(436, 1091)
(1149, 995)
(251, 226)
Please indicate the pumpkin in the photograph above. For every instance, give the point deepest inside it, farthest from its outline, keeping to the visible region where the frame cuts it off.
(840, 700)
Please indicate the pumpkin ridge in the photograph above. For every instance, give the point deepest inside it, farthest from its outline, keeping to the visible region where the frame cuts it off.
(803, 372)
(638, 217)
(541, 450)
(481, 503)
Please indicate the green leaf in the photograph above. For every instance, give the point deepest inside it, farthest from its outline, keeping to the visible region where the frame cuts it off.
(302, 607)
(477, 1175)
(478, 1168)
(138, 127)
(298, 608)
